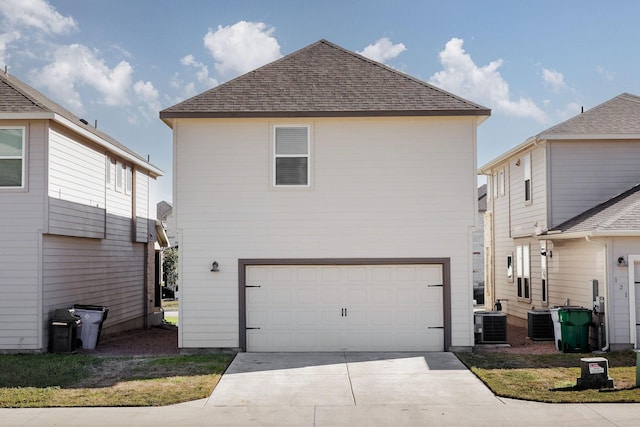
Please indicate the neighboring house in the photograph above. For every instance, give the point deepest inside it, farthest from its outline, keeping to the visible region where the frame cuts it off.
(478, 247)
(164, 214)
(564, 223)
(74, 220)
(325, 202)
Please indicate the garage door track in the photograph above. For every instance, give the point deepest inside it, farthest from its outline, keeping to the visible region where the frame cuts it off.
(348, 379)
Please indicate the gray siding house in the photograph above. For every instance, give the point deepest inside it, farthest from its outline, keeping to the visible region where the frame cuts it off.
(325, 202)
(74, 220)
(562, 221)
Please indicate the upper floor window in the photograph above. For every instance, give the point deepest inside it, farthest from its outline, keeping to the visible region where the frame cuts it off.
(291, 156)
(494, 186)
(526, 166)
(501, 182)
(12, 158)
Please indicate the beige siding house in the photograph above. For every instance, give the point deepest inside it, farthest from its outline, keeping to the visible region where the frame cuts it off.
(325, 202)
(73, 220)
(563, 212)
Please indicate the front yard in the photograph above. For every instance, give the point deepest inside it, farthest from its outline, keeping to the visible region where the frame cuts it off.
(552, 377)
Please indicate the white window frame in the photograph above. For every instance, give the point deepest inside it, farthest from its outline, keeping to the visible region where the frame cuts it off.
(276, 156)
(510, 268)
(523, 272)
(120, 176)
(527, 186)
(22, 157)
(501, 182)
(544, 280)
(128, 179)
(494, 186)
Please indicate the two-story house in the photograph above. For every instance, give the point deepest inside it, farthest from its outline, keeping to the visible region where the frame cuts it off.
(74, 220)
(325, 202)
(562, 221)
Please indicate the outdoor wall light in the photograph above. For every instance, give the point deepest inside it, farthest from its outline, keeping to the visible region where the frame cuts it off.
(214, 266)
(621, 262)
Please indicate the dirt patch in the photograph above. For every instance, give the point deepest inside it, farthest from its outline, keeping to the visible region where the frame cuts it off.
(519, 343)
(154, 341)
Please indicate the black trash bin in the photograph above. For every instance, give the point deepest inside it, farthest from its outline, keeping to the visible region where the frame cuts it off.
(63, 332)
(93, 316)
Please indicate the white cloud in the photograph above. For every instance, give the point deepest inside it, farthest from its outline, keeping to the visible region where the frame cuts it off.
(75, 66)
(5, 40)
(202, 73)
(383, 50)
(604, 73)
(38, 14)
(241, 47)
(148, 94)
(554, 79)
(484, 85)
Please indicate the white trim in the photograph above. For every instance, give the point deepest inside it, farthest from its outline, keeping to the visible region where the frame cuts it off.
(275, 156)
(22, 157)
(631, 261)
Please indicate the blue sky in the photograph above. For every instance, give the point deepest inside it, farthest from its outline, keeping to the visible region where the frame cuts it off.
(534, 63)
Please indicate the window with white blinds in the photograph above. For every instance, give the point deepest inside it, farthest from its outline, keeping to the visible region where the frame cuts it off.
(291, 156)
(12, 157)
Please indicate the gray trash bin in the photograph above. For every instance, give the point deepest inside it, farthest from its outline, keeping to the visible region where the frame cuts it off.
(93, 316)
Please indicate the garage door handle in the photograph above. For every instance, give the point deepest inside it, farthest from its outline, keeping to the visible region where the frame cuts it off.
(435, 286)
(251, 328)
(253, 286)
(435, 327)
(343, 312)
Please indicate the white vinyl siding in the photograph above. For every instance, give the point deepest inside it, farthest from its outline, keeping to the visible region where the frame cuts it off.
(108, 272)
(375, 195)
(142, 206)
(527, 218)
(76, 171)
(292, 156)
(21, 218)
(12, 157)
(587, 173)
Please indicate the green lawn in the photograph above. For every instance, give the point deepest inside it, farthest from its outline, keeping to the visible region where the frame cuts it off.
(552, 377)
(51, 380)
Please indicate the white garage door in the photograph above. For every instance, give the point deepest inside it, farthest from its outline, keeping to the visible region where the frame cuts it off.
(344, 308)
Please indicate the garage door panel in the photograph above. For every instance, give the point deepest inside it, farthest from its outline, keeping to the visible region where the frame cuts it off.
(350, 308)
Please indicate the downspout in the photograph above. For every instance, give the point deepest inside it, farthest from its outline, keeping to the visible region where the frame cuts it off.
(606, 290)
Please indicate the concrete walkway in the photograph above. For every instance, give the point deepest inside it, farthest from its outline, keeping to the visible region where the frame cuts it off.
(341, 389)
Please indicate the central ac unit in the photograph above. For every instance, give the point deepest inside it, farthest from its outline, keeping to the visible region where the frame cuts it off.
(490, 327)
(540, 325)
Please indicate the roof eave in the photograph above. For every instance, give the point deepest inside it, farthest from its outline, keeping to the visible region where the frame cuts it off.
(596, 136)
(554, 235)
(166, 115)
(154, 172)
(44, 115)
(487, 168)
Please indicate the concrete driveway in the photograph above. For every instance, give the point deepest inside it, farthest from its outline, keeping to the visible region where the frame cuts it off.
(348, 379)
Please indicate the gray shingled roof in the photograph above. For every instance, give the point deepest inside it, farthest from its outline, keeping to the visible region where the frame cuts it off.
(619, 214)
(323, 80)
(619, 115)
(482, 198)
(18, 97)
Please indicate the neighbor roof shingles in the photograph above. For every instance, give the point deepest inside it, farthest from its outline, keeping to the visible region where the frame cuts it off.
(18, 97)
(323, 80)
(616, 116)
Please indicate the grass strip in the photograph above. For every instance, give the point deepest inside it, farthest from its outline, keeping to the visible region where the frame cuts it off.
(54, 380)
